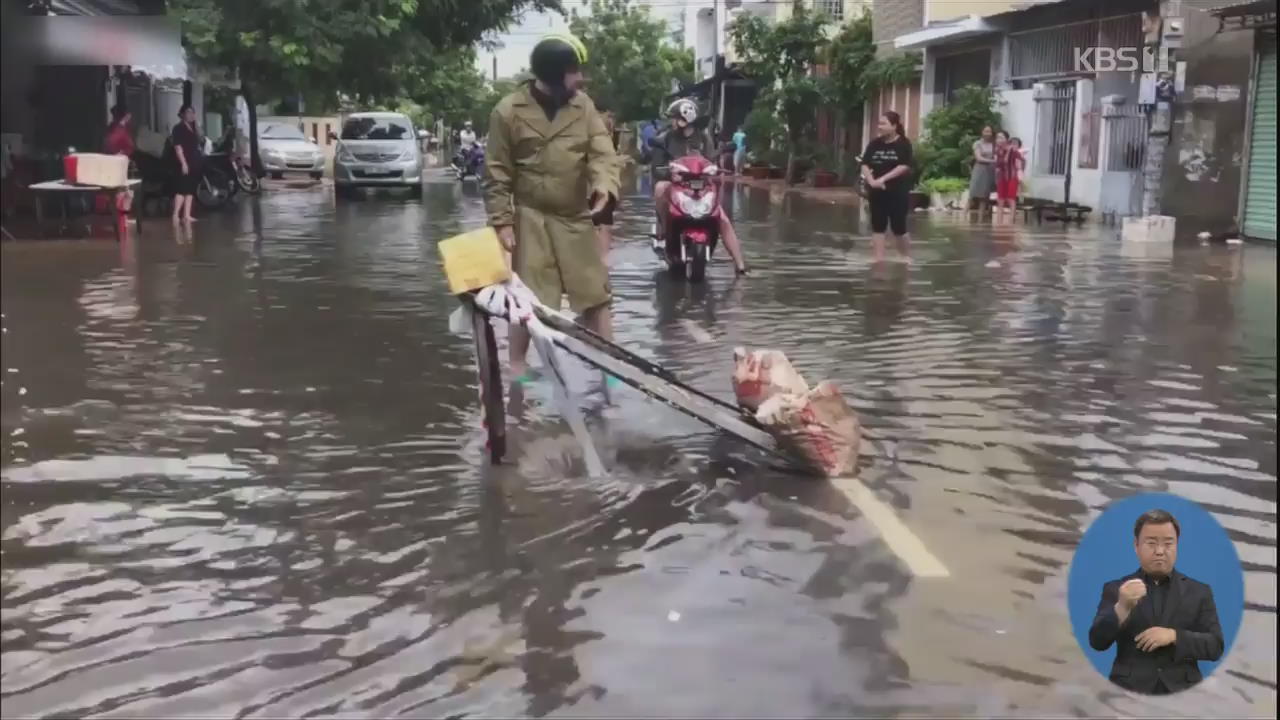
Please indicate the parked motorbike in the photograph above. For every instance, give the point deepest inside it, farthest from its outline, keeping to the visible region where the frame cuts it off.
(233, 166)
(216, 184)
(158, 175)
(468, 164)
(693, 218)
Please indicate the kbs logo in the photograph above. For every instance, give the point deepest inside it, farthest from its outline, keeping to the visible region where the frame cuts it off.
(1125, 59)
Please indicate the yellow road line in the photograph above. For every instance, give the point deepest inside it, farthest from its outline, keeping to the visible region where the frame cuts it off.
(909, 548)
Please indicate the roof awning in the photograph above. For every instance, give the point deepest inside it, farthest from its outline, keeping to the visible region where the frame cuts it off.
(1244, 7)
(945, 33)
(143, 41)
(1245, 15)
(702, 88)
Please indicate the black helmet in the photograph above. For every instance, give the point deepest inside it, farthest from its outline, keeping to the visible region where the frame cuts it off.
(555, 56)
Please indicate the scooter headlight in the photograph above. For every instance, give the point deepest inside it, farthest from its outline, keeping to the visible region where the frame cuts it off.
(695, 208)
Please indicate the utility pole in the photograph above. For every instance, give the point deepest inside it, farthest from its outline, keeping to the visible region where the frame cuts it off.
(495, 67)
(717, 94)
(1162, 115)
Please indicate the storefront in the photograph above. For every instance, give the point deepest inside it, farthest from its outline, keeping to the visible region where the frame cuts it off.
(1257, 203)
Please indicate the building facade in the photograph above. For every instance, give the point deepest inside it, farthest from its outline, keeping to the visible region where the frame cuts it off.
(1087, 123)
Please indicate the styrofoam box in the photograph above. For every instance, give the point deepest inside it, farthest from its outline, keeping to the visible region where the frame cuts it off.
(108, 171)
(1152, 228)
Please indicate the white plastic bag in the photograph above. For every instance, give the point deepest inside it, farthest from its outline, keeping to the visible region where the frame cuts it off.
(761, 374)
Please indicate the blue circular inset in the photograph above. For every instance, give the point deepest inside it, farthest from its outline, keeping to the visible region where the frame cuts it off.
(1106, 553)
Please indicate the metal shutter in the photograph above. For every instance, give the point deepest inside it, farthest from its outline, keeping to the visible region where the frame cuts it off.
(1260, 192)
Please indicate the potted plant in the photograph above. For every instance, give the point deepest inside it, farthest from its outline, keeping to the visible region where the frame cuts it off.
(823, 162)
(945, 192)
(776, 163)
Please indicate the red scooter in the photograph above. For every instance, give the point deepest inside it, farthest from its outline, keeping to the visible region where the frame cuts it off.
(693, 218)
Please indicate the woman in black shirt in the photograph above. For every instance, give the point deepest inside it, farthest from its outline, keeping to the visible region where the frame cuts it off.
(886, 167)
(187, 151)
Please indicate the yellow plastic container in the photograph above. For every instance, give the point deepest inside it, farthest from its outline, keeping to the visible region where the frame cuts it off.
(474, 260)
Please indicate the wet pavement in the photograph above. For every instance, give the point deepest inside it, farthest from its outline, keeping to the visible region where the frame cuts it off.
(243, 474)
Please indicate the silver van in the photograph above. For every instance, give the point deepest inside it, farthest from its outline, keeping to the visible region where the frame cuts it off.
(378, 149)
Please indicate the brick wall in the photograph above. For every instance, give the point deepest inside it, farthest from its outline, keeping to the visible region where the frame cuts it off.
(891, 18)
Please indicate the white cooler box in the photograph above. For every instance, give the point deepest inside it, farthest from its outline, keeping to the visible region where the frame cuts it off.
(108, 171)
(1151, 228)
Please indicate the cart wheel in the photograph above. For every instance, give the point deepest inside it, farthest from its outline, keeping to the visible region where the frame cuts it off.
(495, 419)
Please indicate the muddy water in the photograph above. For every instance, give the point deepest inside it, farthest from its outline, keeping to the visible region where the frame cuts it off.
(243, 475)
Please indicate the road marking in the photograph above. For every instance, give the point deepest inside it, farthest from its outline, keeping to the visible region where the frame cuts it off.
(909, 548)
(699, 334)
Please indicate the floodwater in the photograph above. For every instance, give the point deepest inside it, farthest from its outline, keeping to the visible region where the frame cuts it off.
(243, 474)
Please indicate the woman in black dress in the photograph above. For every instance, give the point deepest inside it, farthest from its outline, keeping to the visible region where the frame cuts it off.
(886, 168)
(187, 151)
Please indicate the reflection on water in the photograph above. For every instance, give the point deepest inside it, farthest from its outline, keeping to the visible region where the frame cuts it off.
(243, 474)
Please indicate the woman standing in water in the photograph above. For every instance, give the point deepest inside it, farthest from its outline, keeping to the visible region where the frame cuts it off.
(186, 148)
(982, 179)
(886, 167)
(119, 141)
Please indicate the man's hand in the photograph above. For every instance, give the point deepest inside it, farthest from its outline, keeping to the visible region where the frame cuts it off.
(185, 169)
(875, 183)
(507, 236)
(598, 202)
(1155, 638)
(1132, 592)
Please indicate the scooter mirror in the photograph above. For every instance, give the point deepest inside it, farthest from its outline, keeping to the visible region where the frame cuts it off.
(711, 170)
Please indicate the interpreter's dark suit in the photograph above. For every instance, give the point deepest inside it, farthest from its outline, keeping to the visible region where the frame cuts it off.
(1184, 606)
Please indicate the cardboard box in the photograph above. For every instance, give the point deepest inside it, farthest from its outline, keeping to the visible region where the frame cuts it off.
(1152, 228)
(108, 171)
(474, 260)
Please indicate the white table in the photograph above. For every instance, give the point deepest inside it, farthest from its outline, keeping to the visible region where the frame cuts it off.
(62, 186)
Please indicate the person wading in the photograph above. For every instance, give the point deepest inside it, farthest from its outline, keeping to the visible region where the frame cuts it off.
(550, 167)
(190, 163)
(886, 167)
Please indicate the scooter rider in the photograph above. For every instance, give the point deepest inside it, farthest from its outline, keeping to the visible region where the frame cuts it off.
(466, 144)
(682, 139)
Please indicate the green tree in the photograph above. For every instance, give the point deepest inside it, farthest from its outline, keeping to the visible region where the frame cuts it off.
(630, 63)
(449, 88)
(780, 58)
(357, 48)
(947, 149)
(493, 92)
(849, 57)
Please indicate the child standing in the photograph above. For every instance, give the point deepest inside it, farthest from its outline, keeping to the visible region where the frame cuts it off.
(1009, 166)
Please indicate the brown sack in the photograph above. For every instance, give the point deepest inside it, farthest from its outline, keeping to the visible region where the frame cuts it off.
(762, 374)
(818, 426)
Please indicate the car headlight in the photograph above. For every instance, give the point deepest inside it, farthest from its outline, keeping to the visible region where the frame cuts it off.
(406, 156)
(345, 155)
(271, 153)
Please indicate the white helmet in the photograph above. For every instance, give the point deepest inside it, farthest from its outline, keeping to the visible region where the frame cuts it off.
(683, 109)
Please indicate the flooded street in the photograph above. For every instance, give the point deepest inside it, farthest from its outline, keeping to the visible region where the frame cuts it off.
(243, 474)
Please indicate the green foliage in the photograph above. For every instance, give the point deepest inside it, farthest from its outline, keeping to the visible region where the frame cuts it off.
(763, 126)
(366, 49)
(945, 185)
(851, 53)
(780, 57)
(896, 70)
(448, 88)
(630, 61)
(950, 130)
(493, 92)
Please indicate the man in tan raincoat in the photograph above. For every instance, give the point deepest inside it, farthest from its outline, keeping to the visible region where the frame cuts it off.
(549, 166)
